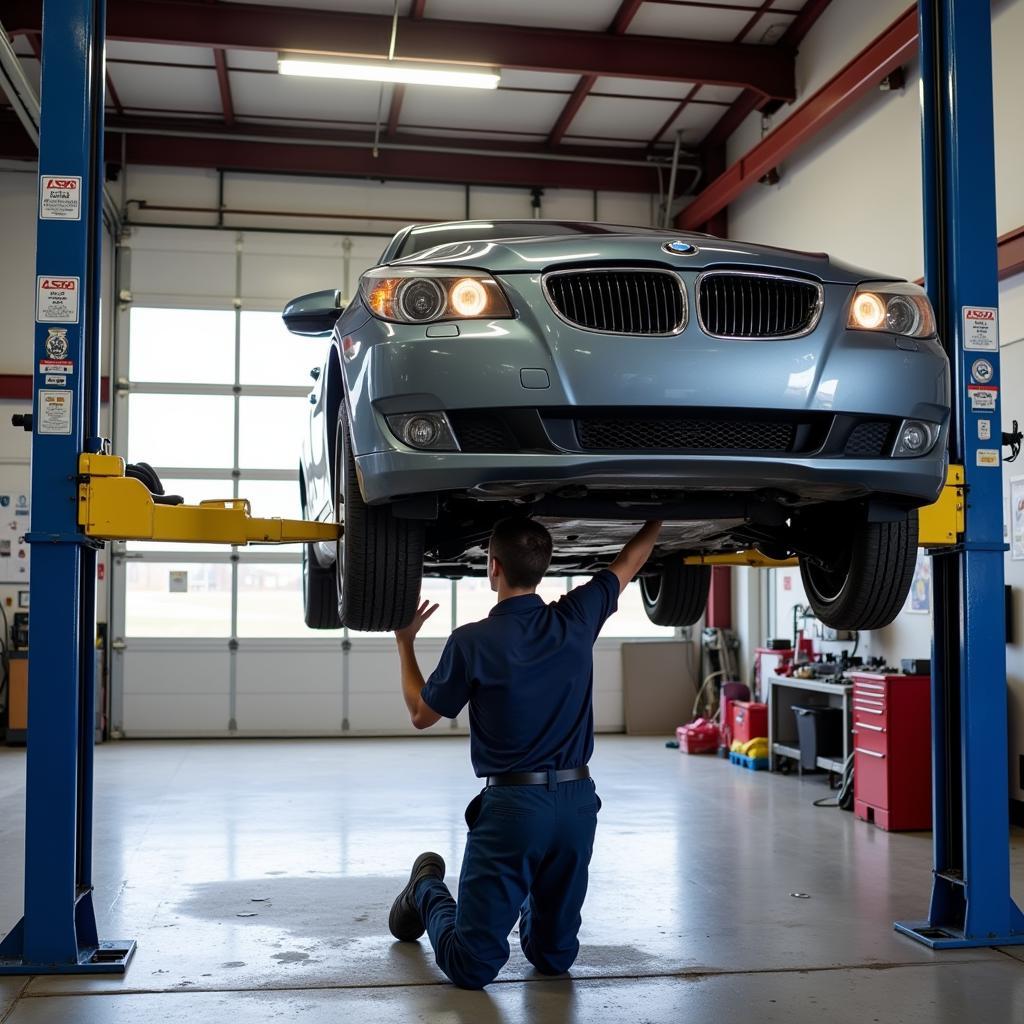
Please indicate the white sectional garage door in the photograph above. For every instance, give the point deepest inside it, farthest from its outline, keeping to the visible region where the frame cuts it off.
(212, 391)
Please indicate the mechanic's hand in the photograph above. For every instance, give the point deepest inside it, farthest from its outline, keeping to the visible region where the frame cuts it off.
(408, 633)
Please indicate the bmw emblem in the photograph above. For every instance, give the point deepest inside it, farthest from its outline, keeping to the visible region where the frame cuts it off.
(680, 248)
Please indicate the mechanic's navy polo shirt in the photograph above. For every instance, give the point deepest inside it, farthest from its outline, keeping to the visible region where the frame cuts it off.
(527, 673)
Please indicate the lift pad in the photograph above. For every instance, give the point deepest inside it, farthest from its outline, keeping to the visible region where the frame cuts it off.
(939, 525)
(112, 506)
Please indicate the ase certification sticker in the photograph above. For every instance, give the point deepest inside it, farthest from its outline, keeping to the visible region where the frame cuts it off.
(55, 412)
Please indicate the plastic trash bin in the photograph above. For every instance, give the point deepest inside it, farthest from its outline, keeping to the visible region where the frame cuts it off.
(820, 732)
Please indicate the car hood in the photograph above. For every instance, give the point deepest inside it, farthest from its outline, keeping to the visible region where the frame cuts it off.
(535, 255)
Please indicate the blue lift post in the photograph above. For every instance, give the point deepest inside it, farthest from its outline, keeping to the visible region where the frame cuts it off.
(971, 902)
(57, 933)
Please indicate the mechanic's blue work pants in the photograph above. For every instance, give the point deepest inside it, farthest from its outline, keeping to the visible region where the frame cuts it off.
(527, 854)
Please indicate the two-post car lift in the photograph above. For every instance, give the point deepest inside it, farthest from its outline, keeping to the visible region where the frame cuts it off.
(81, 497)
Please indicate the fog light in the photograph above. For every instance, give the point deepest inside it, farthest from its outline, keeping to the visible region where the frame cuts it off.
(424, 430)
(421, 432)
(915, 438)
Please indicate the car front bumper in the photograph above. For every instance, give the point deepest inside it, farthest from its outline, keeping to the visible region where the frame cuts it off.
(827, 377)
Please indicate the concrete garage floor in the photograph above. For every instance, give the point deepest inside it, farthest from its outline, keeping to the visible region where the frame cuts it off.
(256, 877)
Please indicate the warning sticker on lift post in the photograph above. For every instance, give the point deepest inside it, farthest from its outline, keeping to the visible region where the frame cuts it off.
(55, 412)
(60, 197)
(981, 328)
(983, 398)
(56, 300)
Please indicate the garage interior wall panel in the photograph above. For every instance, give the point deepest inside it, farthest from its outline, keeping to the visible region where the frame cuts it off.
(871, 159)
(174, 688)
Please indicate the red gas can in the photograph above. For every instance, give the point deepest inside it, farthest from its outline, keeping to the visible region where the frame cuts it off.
(749, 720)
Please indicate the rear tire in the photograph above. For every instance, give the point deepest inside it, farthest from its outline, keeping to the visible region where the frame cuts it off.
(868, 584)
(319, 593)
(379, 568)
(678, 595)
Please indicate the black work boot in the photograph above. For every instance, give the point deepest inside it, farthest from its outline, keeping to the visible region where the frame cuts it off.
(405, 920)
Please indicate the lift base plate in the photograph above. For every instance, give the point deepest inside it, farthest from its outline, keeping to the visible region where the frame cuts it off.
(106, 958)
(936, 937)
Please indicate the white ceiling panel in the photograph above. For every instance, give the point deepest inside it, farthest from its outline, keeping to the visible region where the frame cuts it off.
(770, 29)
(256, 60)
(466, 108)
(695, 121)
(688, 22)
(640, 87)
(600, 117)
(586, 15)
(31, 68)
(722, 93)
(287, 96)
(159, 52)
(166, 88)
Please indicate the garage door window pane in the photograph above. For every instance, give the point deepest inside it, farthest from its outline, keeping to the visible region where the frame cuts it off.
(272, 498)
(182, 430)
(184, 599)
(271, 432)
(272, 355)
(476, 599)
(270, 602)
(184, 346)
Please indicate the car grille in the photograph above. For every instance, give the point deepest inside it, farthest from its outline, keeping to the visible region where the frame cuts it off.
(607, 433)
(619, 301)
(732, 305)
(479, 432)
(868, 439)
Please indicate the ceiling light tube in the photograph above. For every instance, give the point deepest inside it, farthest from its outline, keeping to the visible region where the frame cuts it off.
(405, 72)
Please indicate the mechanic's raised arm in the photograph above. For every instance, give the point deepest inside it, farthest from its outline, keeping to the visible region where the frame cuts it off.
(421, 714)
(634, 555)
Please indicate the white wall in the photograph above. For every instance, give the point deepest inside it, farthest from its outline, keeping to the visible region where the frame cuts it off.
(857, 193)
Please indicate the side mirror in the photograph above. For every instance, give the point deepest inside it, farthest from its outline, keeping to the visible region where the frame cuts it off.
(313, 315)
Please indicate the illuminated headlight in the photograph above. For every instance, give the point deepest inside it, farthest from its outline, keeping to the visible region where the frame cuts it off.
(428, 431)
(424, 295)
(892, 308)
(915, 438)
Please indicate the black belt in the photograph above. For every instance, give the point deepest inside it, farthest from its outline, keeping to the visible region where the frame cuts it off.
(549, 779)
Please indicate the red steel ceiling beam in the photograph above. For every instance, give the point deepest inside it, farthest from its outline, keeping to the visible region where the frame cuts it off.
(623, 16)
(288, 150)
(767, 70)
(893, 48)
(1011, 253)
(224, 85)
(398, 90)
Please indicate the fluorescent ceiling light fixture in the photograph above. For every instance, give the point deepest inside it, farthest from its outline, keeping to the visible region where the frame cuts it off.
(405, 72)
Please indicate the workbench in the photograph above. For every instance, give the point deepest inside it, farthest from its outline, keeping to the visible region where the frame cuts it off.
(782, 693)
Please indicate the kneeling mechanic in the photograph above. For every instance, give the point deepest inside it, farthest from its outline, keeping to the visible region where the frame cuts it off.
(527, 674)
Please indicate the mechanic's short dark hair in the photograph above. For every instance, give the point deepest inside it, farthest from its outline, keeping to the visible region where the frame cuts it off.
(523, 547)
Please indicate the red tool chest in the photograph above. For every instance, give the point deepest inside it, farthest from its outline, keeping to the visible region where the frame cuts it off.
(892, 773)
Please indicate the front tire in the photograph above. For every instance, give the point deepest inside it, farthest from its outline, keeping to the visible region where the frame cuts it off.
(379, 564)
(866, 586)
(678, 595)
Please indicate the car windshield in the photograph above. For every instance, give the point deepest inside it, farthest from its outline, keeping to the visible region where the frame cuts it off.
(427, 236)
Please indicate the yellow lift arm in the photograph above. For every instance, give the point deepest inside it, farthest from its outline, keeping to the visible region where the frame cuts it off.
(112, 506)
